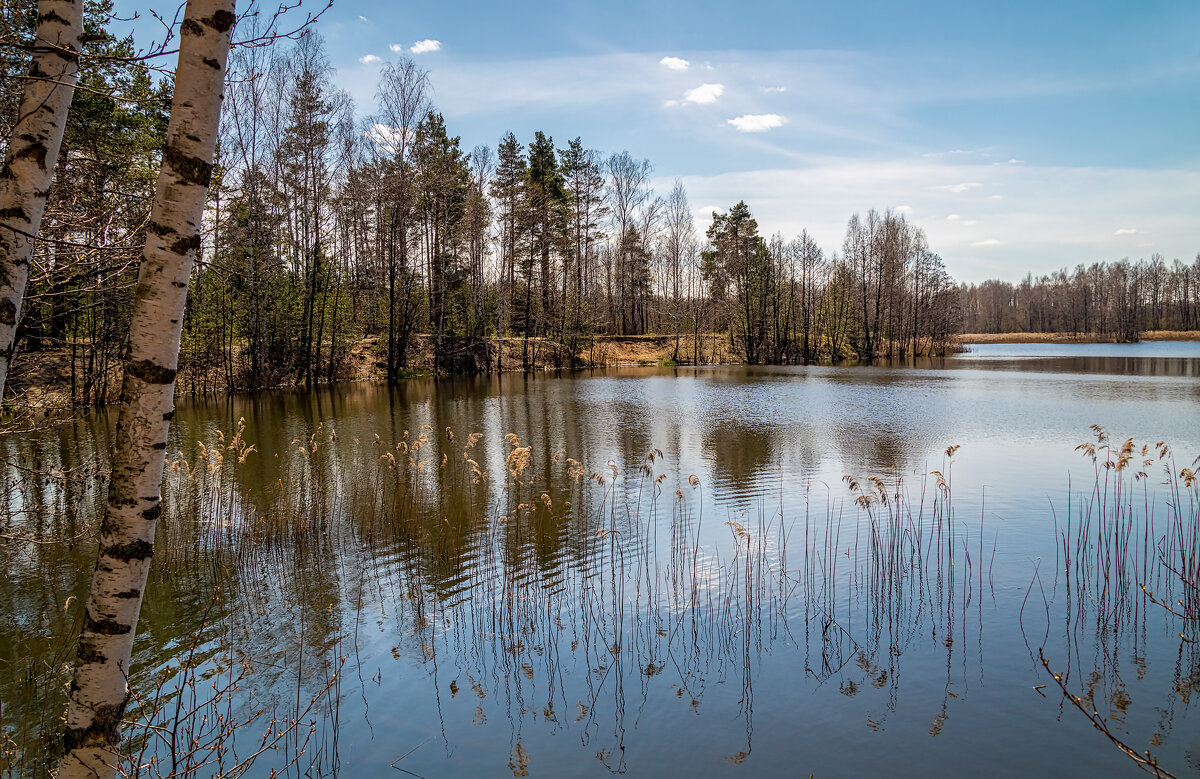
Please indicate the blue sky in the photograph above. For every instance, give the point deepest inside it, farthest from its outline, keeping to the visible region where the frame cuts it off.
(1022, 136)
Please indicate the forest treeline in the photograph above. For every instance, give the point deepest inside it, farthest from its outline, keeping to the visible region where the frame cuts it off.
(1111, 299)
(325, 229)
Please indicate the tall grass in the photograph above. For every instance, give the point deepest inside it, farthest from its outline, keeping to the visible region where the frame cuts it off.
(505, 568)
(1129, 553)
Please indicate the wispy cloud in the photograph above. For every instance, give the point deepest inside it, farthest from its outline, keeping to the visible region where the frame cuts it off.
(774, 90)
(953, 217)
(426, 46)
(674, 63)
(705, 93)
(368, 59)
(963, 187)
(362, 18)
(1127, 231)
(984, 152)
(1048, 218)
(396, 48)
(757, 123)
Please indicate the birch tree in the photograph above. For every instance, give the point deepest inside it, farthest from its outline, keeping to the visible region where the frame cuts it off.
(31, 156)
(99, 692)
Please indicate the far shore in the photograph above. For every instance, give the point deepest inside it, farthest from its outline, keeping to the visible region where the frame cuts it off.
(1073, 338)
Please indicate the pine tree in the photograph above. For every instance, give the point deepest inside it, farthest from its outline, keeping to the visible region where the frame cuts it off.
(583, 181)
(547, 200)
(508, 188)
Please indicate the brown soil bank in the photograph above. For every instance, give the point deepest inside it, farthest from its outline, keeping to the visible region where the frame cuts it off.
(369, 360)
(42, 380)
(1073, 338)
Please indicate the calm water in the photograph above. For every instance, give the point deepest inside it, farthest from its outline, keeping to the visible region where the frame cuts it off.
(541, 621)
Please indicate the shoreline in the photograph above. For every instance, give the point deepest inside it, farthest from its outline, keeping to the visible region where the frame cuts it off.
(1073, 338)
(42, 384)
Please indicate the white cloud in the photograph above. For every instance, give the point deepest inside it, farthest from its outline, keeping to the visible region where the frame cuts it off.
(903, 209)
(1049, 217)
(963, 187)
(705, 93)
(1127, 231)
(674, 63)
(388, 137)
(953, 217)
(985, 243)
(984, 152)
(757, 123)
(369, 59)
(425, 46)
(362, 18)
(774, 90)
(396, 48)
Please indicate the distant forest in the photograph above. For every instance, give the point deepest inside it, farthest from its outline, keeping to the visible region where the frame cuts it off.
(325, 230)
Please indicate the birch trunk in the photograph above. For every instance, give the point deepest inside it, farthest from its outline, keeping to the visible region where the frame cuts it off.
(32, 155)
(99, 692)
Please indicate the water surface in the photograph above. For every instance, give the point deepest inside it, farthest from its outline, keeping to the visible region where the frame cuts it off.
(548, 622)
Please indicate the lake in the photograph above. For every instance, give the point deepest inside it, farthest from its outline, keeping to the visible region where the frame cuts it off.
(661, 571)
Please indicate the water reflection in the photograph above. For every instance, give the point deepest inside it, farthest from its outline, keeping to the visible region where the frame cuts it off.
(1173, 359)
(557, 611)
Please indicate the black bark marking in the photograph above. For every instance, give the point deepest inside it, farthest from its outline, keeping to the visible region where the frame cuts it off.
(16, 212)
(221, 21)
(105, 627)
(212, 63)
(183, 246)
(154, 512)
(150, 372)
(8, 312)
(167, 417)
(51, 16)
(105, 730)
(128, 594)
(119, 502)
(191, 170)
(160, 445)
(191, 27)
(89, 654)
(134, 550)
(159, 229)
(35, 150)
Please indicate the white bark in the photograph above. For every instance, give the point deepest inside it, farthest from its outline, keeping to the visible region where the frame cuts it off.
(32, 154)
(99, 691)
